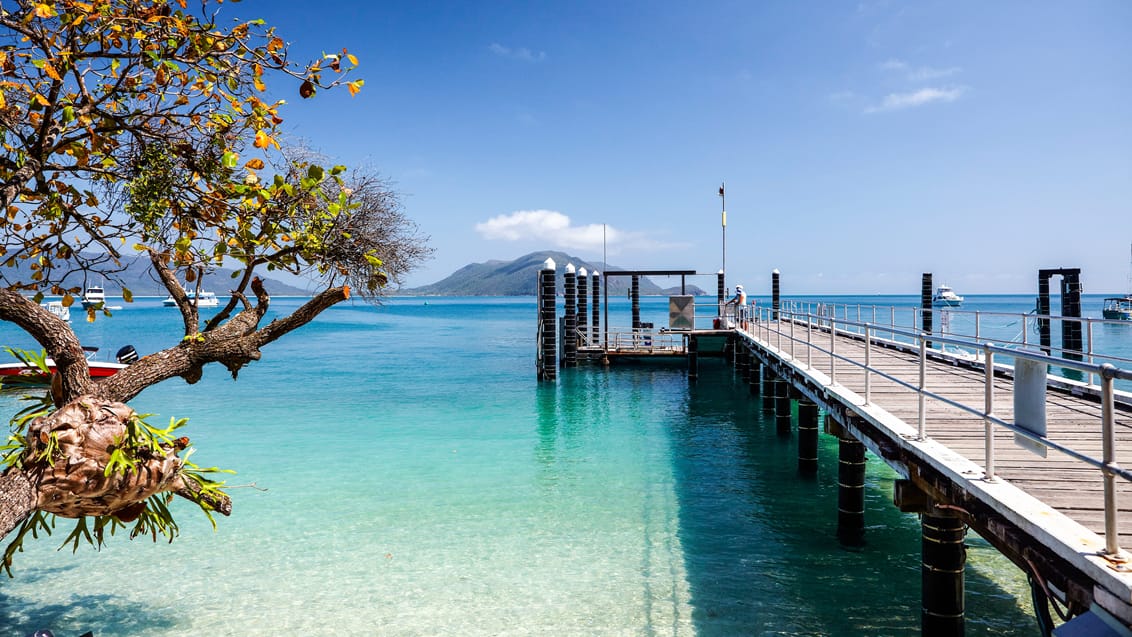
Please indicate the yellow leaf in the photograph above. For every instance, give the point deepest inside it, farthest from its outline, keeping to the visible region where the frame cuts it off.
(254, 164)
(259, 85)
(41, 100)
(51, 72)
(353, 60)
(3, 102)
(44, 10)
(261, 140)
(354, 87)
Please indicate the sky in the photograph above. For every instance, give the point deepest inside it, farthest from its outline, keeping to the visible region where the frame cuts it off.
(861, 143)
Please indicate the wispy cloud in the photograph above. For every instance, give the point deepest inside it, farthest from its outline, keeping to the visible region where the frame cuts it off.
(924, 96)
(557, 230)
(522, 54)
(918, 73)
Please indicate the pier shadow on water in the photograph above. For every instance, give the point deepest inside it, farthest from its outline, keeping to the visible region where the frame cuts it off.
(759, 541)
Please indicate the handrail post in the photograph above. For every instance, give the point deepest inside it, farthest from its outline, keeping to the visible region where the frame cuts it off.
(868, 362)
(988, 410)
(793, 319)
(1089, 336)
(976, 327)
(809, 341)
(832, 353)
(922, 429)
(1111, 540)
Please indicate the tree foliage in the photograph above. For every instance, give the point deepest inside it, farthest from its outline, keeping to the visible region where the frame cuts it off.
(134, 127)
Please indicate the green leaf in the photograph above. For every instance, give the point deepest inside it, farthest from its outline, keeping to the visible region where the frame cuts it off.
(230, 159)
(315, 172)
(68, 114)
(127, 295)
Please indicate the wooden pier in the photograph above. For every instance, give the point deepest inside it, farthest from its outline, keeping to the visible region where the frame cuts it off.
(982, 434)
(929, 421)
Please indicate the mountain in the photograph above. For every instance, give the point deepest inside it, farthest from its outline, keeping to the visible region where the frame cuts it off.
(520, 278)
(141, 282)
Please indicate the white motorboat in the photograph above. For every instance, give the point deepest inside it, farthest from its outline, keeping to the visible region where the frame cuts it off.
(206, 299)
(93, 295)
(946, 297)
(58, 309)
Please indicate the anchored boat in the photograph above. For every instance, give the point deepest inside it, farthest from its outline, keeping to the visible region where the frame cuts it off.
(946, 297)
(206, 299)
(30, 373)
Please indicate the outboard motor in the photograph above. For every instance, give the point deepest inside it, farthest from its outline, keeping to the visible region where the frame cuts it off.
(127, 355)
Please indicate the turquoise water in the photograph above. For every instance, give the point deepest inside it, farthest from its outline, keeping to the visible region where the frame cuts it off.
(402, 473)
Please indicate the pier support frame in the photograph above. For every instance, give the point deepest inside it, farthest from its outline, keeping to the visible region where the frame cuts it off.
(1071, 335)
(693, 358)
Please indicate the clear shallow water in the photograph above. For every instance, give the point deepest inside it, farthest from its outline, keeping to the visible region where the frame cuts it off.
(414, 479)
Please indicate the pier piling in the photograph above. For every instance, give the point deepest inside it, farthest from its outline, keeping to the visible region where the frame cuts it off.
(926, 304)
(807, 437)
(583, 315)
(774, 293)
(944, 557)
(570, 338)
(596, 292)
(635, 293)
(720, 292)
(693, 362)
(547, 364)
(782, 406)
(850, 491)
(770, 386)
(755, 373)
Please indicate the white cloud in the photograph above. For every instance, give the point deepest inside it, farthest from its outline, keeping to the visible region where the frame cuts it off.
(900, 101)
(558, 231)
(545, 225)
(522, 54)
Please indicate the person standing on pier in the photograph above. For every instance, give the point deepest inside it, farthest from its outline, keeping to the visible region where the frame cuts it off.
(739, 301)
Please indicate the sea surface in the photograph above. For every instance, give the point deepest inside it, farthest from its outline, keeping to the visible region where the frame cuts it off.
(402, 472)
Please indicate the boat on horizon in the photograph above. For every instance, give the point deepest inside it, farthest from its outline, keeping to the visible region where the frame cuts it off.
(93, 295)
(946, 297)
(206, 299)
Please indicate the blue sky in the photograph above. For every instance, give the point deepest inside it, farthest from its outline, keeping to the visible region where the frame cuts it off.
(862, 143)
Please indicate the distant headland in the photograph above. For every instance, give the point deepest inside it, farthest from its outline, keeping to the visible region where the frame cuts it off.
(520, 277)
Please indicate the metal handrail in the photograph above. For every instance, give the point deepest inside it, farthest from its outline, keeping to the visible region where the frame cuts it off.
(1106, 372)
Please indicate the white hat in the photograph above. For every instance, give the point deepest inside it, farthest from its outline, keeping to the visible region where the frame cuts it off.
(738, 288)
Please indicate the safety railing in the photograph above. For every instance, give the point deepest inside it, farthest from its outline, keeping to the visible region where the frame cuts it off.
(817, 332)
(627, 339)
(976, 327)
